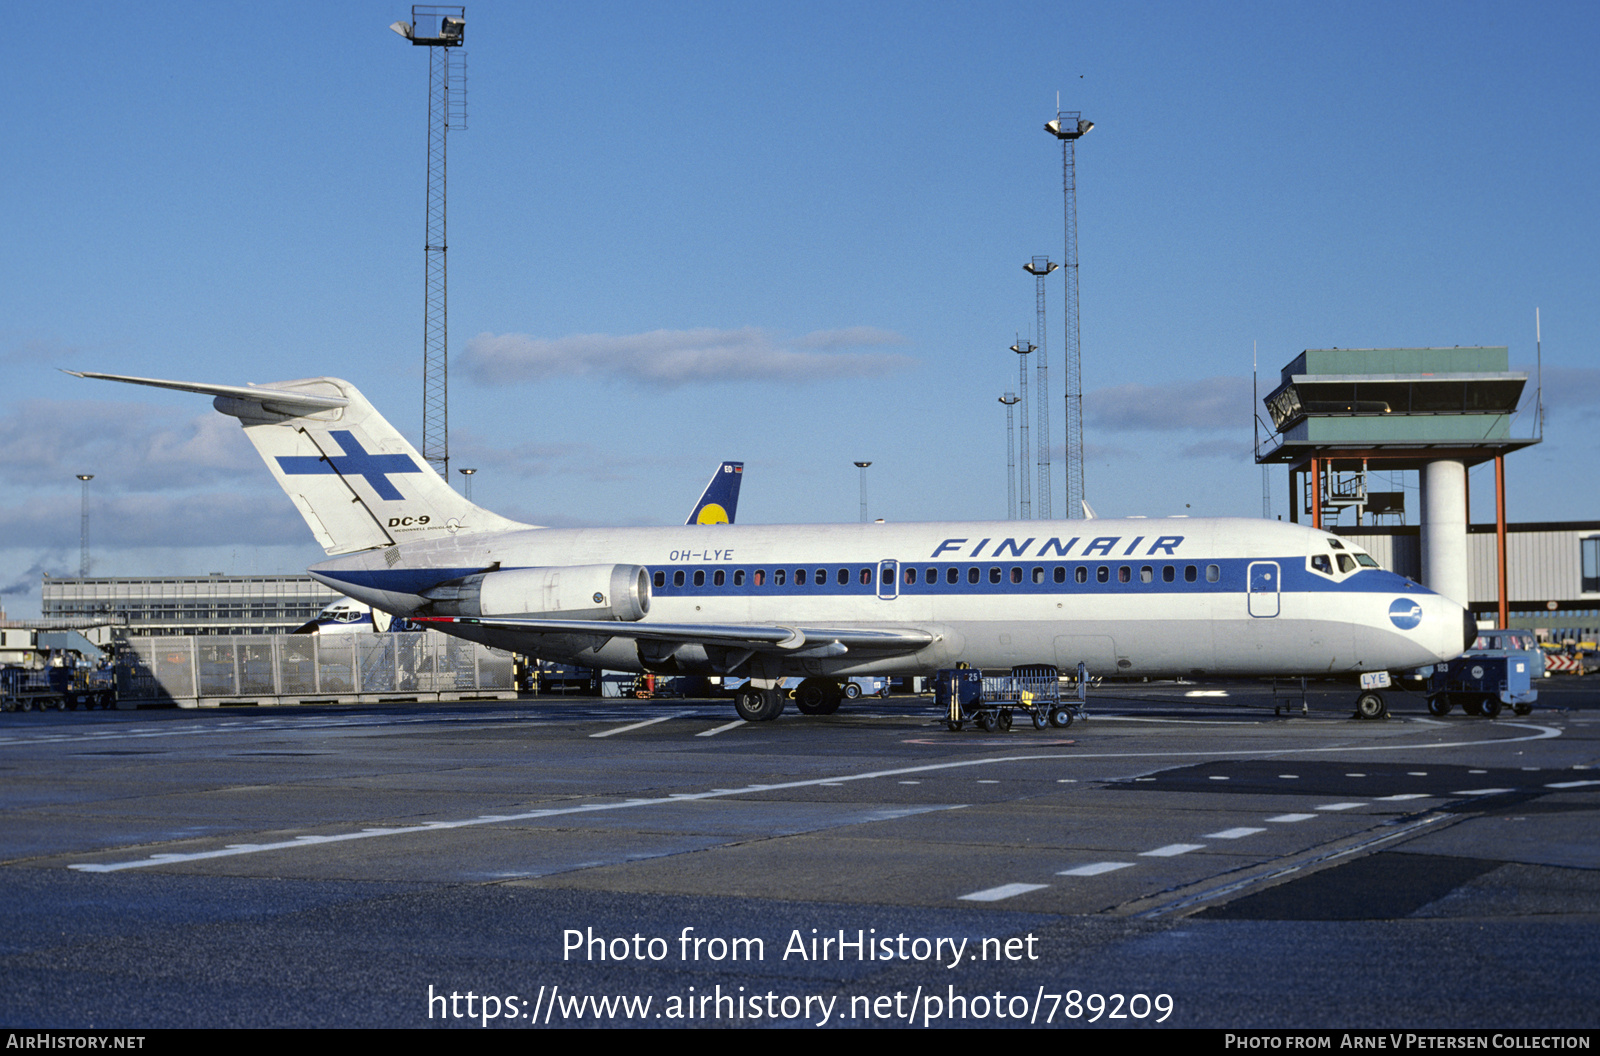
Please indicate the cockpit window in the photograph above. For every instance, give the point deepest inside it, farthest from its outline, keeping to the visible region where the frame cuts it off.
(1335, 544)
(1322, 564)
(1365, 560)
(1346, 562)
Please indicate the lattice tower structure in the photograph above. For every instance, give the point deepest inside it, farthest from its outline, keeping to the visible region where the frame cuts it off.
(1039, 267)
(1010, 401)
(1024, 451)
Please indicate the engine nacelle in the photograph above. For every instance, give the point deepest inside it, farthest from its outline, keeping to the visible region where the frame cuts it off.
(561, 592)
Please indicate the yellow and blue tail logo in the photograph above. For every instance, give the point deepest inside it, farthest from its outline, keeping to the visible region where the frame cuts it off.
(720, 500)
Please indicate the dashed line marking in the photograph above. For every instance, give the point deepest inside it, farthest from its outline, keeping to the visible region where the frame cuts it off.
(1571, 784)
(1095, 869)
(1482, 791)
(1404, 795)
(1172, 850)
(1232, 834)
(1284, 819)
(995, 894)
(634, 726)
(721, 729)
(1340, 806)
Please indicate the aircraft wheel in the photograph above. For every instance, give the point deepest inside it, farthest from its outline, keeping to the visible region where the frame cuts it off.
(758, 705)
(1371, 706)
(1061, 718)
(1439, 704)
(985, 721)
(852, 690)
(817, 696)
(1040, 719)
(1472, 705)
(1491, 707)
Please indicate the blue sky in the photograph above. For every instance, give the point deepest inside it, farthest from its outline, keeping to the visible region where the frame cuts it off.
(787, 235)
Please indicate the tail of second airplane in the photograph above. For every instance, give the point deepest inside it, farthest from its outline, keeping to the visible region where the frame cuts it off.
(357, 482)
(721, 498)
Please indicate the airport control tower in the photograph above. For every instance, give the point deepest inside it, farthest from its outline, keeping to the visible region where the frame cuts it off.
(1439, 411)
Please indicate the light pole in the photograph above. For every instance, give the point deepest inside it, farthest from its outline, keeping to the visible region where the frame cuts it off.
(1022, 349)
(83, 529)
(467, 486)
(1010, 401)
(1069, 126)
(862, 466)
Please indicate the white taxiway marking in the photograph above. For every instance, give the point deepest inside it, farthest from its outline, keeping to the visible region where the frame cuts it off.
(1403, 795)
(1232, 834)
(1543, 733)
(1340, 806)
(1172, 850)
(1206, 693)
(1283, 819)
(1571, 784)
(1096, 869)
(995, 894)
(722, 729)
(1482, 791)
(634, 726)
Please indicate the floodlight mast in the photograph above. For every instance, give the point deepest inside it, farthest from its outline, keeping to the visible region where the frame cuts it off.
(1069, 126)
(443, 30)
(1039, 267)
(1025, 450)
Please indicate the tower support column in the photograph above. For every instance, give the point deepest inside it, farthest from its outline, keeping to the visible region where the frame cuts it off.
(1444, 529)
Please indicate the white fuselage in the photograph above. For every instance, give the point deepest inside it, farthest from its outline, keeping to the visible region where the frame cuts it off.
(1133, 597)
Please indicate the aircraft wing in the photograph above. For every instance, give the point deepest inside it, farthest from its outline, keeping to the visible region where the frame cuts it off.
(792, 641)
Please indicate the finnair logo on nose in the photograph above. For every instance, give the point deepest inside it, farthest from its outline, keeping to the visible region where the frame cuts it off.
(1405, 613)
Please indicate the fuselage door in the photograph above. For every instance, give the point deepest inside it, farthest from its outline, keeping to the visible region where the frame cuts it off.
(1264, 576)
(888, 580)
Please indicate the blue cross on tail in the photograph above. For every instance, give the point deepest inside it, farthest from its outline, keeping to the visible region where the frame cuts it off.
(355, 462)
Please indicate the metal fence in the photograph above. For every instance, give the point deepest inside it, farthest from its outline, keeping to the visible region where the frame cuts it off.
(292, 667)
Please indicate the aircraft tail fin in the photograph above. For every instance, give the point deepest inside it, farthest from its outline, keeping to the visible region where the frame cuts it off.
(358, 483)
(721, 498)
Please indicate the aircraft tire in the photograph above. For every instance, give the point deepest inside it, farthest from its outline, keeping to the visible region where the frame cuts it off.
(758, 705)
(1439, 704)
(1490, 707)
(1061, 718)
(1370, 706)
(817, 696)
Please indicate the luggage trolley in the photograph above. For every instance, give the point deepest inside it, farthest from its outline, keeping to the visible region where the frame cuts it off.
(989, 700)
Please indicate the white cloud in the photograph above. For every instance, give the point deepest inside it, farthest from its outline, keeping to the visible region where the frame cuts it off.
(127, 446)
(680, 357)
(1209, 403)
(147, 520)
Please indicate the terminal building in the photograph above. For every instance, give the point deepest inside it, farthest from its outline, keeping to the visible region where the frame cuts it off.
(1341, 416)
(167, 605)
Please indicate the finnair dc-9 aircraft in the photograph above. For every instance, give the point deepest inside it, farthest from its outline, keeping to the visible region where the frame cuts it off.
(823, 602)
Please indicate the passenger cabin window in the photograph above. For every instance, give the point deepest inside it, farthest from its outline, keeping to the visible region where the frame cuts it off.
(931, 576)
(844, 577)
(677, 578)
(1038, 575)
(866, 577)
(1168, 574)
(718, 578)
(888, 577)
(1147, 574)
(760, 577)
(1213, 573)
(660, 578)
(1081, 574)
(972, 574)
(799, 577)
(1189, 574)
(822, 577)
(699, 577)
(1016, 574)
(1124, 574)
(1061, 574)
(952, 574)
(911, 577)
(778, 576)
(738, 577)
(1102, 574)
(994, 573)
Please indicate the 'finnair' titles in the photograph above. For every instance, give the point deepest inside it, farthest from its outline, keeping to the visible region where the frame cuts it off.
(1131, 597)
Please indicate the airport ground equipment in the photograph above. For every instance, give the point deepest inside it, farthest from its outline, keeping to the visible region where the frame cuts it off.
(1481, 684)
(63, 681)
(989, 700)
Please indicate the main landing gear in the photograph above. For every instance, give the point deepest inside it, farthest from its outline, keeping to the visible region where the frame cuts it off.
(821, 696)
(759, 705)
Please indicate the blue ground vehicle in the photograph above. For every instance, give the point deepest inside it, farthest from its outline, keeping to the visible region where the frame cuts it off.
(1483, 682)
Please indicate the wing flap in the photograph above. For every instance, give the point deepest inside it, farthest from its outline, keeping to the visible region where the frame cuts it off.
(766, 638)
